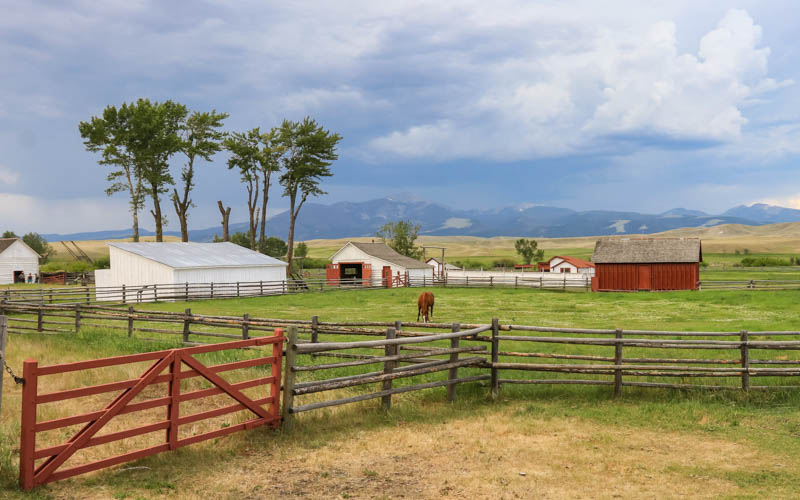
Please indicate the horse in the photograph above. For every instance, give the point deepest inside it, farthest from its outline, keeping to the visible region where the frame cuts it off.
(425, 306)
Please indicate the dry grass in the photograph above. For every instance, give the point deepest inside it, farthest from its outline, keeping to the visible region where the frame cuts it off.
(96, 248)
(498, 453)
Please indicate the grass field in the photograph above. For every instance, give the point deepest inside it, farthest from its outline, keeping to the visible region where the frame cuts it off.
(568, 441)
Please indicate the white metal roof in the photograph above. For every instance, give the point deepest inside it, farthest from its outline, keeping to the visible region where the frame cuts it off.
(192, 255)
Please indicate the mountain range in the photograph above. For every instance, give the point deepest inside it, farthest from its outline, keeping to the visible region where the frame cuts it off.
(352, 219)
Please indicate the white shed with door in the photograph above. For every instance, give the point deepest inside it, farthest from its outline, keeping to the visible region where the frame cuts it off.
(17, 260)
(141, 265)
(375, 264)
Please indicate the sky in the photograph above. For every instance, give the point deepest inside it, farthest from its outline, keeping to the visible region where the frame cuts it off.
(619, 105)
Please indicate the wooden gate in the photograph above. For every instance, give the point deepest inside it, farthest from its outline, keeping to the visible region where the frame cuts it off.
(386, 276)
(265, 409)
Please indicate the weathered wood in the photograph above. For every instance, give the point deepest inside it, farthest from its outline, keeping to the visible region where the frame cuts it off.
(388, 367)
(556, 381)
(618, 361)
(77, 318)
(315, 329)
(3, 340)
(187, 324)
(130, 321)
(397, 390)
(453, 375)
(745, 362)
(289, 378)
(379, 359)
(39, 316)
(245, 325)
(495, 353)
(327, 346)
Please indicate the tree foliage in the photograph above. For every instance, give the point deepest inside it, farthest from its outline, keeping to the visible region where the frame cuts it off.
(301, 250)
(10, 234)
(401, 236)
(245, 157)
(39, 245)
(273, 246)
(528, 250)
(308, 152)
(241, 239)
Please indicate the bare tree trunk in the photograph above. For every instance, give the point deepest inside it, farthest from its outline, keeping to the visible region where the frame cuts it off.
(252, 205)
(135, 225)
(265, 196)
(181, 210)
(226, 216)
(292, 219)
(157, 214)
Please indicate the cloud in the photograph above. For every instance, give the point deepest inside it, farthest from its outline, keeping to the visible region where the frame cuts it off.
(8, 176)
(585, 94)
(22, 213)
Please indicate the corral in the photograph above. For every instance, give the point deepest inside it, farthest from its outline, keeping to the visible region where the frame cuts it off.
(550, 420)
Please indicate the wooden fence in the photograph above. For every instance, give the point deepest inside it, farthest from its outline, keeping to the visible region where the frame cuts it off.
(265, 409)
(749, 285)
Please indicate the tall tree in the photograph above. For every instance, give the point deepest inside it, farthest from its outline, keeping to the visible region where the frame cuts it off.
(111, 136)
(155, 137)
(309, 152)
(400, 236)
(245, 155)
(10, 234)
(528, 250)
(39, 245)
(268, 160)
(201, 138)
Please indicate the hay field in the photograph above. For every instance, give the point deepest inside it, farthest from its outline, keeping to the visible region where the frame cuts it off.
(96, 248)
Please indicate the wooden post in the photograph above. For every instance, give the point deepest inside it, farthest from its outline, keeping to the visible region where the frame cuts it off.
(388, 367)
(3, 338)
(130, 321)
(77, 318)
(564, 287)
(186, 289)
(451, 389)
(315, 329)
(155, 293)
(283, 287)
(237, 289)
(516, 281)
(50, 297)
(27, 444)
(495, 351)
(3, 306)
(261, 287)
(173, 408)
(87, 295)
(491, 281)
(745, 361)
(187, 321)
(212, 289)
(123, 294)
(245, 326)
(618, 362)
(288, 378)
(39, 318)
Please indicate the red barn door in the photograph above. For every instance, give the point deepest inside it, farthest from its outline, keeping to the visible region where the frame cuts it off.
(366, 274)
(386, 276)
(644, 278)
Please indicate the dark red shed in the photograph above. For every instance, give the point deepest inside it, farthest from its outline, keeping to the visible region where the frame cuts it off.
(647, 263)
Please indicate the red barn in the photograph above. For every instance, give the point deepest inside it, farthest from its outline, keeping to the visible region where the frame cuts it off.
(647, 264)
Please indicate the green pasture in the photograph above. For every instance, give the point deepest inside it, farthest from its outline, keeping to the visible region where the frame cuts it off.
(768, 420)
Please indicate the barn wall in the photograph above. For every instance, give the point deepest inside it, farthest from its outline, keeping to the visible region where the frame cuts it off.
(675, 276)
(130, 269)
(17, 257)
(230, 274)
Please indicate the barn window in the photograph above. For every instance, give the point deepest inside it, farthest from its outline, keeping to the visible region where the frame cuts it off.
(566, 270)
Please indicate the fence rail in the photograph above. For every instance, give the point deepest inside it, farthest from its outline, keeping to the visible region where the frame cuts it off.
(122, 393)
(748, 285)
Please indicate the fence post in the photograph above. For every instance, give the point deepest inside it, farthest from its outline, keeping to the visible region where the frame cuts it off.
(77, 318)
(173, 409)
(283, 287)
(745, 361)
(245, 326)
(130, 321)
(39, 318)
(237, 289)
(618, 362)
(155, 293)
(186, 289)
(288, 378)
(261, 287)
(388, 367)
(123, 294)
(495, 351)
(314, 329)
(41, 295)
(27, 443)
(3, 338)
(451, 389)
(87, 294)
(3, 307)
(516, 281)
(187, 321)
(212, 289)
(491, 281)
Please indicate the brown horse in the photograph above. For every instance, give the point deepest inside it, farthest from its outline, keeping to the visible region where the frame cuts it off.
(425, 306)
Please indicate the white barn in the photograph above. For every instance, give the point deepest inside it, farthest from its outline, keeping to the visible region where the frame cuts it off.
(375, 264)
(438, 270)
(16, 259)
(140, 265)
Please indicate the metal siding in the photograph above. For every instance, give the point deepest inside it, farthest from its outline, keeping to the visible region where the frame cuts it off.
(230, 274)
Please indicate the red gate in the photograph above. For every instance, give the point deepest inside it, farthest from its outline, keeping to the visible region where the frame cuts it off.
(47, 471)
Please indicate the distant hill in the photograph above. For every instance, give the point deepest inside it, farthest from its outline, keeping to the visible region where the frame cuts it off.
(364, 219)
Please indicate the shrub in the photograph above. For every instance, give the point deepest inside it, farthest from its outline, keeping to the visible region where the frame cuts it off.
(765, 262)
(503, 263)
(103, 262)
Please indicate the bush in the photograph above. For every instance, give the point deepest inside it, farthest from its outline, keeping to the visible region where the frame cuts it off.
(765, 262)
(70, 266)
(508, 263)
(103, 262)
(309, 263)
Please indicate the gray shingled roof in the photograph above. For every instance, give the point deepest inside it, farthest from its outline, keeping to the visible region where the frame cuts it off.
(5, 243)
(383, 252)
(644, 250)
(189, 255)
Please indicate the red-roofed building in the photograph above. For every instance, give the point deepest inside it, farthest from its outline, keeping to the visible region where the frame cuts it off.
(565, 264)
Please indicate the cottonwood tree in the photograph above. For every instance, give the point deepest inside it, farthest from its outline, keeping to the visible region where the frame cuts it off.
(155, 137)
(269, 161)
(201, 138)
(9, 234)
(528, 250)
(111, 135)
(273, 246)
(400, 236)
(309, 151)
(245, 156)
(39, 245)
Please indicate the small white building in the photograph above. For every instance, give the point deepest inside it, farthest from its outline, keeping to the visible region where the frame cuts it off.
(375, 264)
(438, 270)
(17, 261)
(138, 266)
(560, 264)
